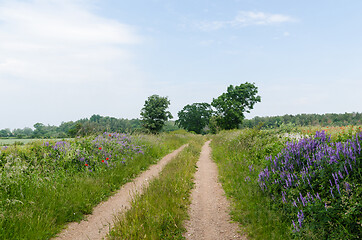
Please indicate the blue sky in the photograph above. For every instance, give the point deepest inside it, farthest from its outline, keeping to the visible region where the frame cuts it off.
(63, 60)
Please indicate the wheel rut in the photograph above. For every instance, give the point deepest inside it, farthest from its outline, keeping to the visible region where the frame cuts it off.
(209, 218)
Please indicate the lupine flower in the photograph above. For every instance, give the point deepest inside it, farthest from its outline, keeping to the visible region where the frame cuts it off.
(340, 174)
(300, 218)
(331, 190)
(295, 227)
(301, 163)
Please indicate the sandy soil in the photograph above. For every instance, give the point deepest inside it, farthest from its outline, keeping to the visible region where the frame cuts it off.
(98, 224)
(209, 218)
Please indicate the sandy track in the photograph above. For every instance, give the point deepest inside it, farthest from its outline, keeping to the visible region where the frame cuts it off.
(209, 218)
(98, 224)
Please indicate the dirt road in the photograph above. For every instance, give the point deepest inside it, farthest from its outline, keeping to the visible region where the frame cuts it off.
(98, 224)
(209, 218)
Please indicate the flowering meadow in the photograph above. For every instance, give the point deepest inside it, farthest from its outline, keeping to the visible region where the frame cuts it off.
(285, 188)
(318, 184)
(45, 184)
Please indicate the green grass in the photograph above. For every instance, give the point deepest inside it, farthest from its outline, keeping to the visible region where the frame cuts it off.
(161, 210)
(241, 155)
(37, 198)
(234, 152)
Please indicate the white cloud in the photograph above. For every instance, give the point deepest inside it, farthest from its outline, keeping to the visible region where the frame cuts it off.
(246, 18)
(60, 40)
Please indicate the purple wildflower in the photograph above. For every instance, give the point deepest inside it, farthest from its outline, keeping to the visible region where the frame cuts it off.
(295, 227)
(300, 218)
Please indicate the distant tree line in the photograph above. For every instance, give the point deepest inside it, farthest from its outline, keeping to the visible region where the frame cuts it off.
(329, 119)
(94, 125)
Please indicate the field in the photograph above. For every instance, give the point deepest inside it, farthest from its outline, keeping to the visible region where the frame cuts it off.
(10, 141)
(298, 183)
(20, 141)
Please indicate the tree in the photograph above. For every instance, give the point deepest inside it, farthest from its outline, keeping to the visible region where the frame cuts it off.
(39, 131)
(230, 106)
(154, 114)
(5, 132)
(194, 117)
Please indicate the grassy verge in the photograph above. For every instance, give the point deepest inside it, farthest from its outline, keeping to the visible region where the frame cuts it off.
(240, 156)
(306, 189)
(160, 211)
(45, 185)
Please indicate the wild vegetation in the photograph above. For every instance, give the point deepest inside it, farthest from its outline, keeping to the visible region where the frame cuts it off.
(44, 185)
(284, 188)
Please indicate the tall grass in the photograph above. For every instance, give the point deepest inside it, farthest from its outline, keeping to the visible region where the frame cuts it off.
(240, 155)
(44, 185)
(161, 210)
(301, 189)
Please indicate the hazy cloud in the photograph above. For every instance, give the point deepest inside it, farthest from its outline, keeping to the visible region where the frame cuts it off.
(60, 41)
(246, 18)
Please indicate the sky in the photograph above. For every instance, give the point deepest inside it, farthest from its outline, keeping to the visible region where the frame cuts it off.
(63, 60)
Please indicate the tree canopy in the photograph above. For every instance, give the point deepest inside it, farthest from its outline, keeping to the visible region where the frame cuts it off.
(231, 106)
(194, 117)
(154, 114)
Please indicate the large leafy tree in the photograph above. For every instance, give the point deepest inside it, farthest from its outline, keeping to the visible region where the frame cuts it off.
(194, 117)
(231, 106)
(154, 114)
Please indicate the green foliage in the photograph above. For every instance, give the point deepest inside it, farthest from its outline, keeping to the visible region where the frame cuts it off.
(5, 133)
(194, 117)
(159, 213)
(230, 106)
(84, 127)
(44, 185)
(240, 155)
(329, 119)
(154, 114)
(316, 182)
(170, 126)
(213, 124)
(322, 199)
